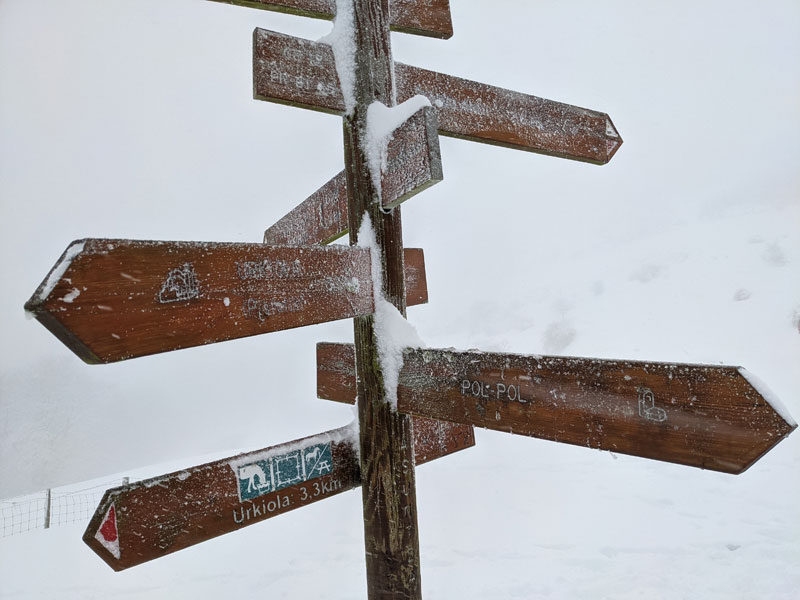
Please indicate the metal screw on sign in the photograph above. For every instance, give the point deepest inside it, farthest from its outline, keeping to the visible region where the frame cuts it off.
(111, 300)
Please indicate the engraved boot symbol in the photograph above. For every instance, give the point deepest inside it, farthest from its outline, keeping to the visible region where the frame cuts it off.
(647, 408)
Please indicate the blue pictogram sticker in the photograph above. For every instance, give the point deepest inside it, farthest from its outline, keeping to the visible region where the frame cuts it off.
(277, 472)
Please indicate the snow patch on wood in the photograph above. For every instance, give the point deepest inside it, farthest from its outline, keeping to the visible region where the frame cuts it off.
(393, 332)
(382, 122)
(58, 271)
(347, 434)
(771, 397)
(341, 40)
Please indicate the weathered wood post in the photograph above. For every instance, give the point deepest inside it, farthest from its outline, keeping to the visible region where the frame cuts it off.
(47, 503)
(387, 457)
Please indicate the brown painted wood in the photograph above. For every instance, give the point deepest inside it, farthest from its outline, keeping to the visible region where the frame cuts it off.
(416, 280)
(319, 219)
(703, 416)
(430, 18)
(111, 300)
(391, 537)
(158, 516)
(413, 164)
(484, 113)
(161, 515)
(700, 415)
(336, 380)
(298, 72)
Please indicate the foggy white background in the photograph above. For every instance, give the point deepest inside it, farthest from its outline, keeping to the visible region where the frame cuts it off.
(135, 119)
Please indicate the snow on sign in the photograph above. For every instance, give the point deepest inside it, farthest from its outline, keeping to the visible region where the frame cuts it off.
(291, 70)
(336, 380)
(276, 472)
(110, 300)
(706, 416)
(149, 519)
(421, 17)
(413, 164)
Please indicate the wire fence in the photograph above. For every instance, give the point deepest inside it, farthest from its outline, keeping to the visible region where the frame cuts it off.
(51, 507)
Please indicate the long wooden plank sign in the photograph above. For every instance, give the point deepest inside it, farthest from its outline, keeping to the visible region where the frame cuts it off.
(149, 519)
(421, 17)
(713, 417)
(299, 72)
(336, 380)
(111, 300)
(414, 164)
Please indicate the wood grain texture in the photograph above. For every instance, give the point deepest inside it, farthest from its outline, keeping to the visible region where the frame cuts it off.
(110, 300)
(391, 537)
(319, 219)
(703, 416)
(700, 415)
(298, 72)
(336, 380)
(413, 164)
(164, 514)
(430, 18)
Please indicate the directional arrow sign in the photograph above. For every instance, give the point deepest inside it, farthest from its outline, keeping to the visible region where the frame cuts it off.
(706, 416)
(413, 164)
(299, 72)
(421, 17)
(110, 300)
(336, 380)
(151, 518)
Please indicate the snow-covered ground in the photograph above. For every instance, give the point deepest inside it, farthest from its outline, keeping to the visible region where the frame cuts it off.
(135, 119)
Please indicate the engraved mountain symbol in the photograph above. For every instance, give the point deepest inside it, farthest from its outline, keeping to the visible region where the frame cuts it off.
(180, 284)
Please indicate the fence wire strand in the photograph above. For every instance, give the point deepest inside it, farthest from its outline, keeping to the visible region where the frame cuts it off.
(27, 513)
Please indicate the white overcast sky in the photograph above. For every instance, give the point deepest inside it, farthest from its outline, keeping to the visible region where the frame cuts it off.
(135, 119)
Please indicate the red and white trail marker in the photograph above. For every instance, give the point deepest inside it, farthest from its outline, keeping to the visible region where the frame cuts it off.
(107, 535)
(707, 416)
(149, 519)
(111, 300)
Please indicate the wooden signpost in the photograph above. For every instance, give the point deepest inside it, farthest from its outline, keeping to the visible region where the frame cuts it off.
(110, 300)
(708, 416)
(149, 519)
(414, 164)
(298, 72)
(421, 17)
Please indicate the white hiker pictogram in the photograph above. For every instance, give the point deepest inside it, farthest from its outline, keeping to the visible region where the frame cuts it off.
(251, 473)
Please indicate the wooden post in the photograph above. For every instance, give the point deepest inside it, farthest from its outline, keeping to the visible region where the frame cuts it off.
(387, 458)
(47, 502)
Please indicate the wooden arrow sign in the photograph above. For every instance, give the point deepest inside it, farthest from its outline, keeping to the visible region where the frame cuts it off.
(706, 416)
(155, 517)
(413, 164)
(299, 72)
(336, 380)
(421, 17)
(111, 300)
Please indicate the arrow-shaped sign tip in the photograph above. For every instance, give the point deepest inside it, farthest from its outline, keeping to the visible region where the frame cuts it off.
(56, 288)
(47, 286)
(613, 139)
(772, 400)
